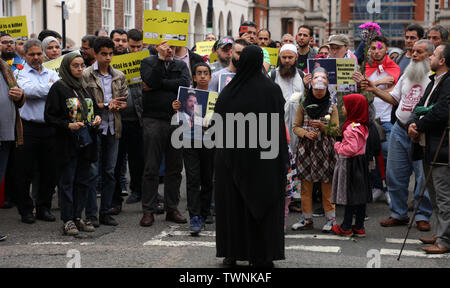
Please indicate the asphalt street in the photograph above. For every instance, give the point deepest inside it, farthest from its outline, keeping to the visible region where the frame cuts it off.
(169, 245)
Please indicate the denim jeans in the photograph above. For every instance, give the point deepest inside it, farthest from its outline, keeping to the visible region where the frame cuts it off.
(399, 170)
(74, 187)
(91, 203)
(110, 148)
(5, 148)
(375, 175)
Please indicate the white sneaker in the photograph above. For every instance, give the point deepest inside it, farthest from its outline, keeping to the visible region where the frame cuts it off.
(303, 224)
(70, 228)
(377, 194)
(329, 224)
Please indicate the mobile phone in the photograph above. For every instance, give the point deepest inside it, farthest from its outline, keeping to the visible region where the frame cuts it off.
(243, 29)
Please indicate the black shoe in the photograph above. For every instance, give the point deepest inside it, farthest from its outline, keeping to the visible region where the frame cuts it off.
(108, 220)
(3, 237)
(134, 198)
(28, 218)
(319, 212)
(209, 220)
(94, 221)
(229, 262)
(45, 215)
(115, 210)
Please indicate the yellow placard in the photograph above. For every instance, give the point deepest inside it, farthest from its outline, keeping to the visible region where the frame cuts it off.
(344, 71)
(130, 65)
(204, 48)
(56, 63)
(213, 58)
(273, 53)
(164, 25)
(16, 27)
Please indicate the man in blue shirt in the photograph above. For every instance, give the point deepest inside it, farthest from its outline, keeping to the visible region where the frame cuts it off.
(8, 49)
(39, 138)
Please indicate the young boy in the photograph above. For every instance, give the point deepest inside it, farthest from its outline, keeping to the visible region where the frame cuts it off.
(198, 162)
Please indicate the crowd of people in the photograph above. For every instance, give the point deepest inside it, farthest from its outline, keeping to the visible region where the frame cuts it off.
(76, 131)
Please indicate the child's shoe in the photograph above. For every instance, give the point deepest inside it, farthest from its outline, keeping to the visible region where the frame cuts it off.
(337, 229)
(303, 224)
(358, 232)
(330, 223)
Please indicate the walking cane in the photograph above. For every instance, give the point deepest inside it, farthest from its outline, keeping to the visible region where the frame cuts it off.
(426, 182)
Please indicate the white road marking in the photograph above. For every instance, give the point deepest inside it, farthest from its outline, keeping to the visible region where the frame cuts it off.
(180, 243)
(400, 241)
(51, 243)
(324, 249)
(411, 253)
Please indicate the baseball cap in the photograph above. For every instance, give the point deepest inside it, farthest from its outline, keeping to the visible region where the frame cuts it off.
(224, 42)
(339, 39)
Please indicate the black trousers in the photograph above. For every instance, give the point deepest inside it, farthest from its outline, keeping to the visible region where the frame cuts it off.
(198, 163)
(359, 211)
(131, 143)
(39, 149)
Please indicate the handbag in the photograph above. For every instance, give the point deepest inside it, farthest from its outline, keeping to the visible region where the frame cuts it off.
(380, 129)
(83, 137)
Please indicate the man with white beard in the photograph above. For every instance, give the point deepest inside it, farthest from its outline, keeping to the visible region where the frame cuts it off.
(289, 78)
(407, 93)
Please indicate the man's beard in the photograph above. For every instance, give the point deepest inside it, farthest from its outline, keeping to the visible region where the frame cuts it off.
(235, 62)
(116, 52)
(224, 62)
(8, 56)
(417, 71)
(287, 71)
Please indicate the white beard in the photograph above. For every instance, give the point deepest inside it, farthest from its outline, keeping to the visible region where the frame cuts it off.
(417, 71)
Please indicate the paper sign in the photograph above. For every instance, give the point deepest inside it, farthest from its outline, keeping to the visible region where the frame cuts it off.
(204, 48)
(130, 65)
(16, 27)
(339, 72)
(56, 63)
(225, 78)
(273, 53)
(213, 58)
(197, 105)
(164, 25)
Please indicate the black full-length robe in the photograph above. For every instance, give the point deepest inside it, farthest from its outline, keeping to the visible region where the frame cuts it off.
(250, 190)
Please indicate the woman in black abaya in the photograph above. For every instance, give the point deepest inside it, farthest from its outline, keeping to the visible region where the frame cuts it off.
(250, 190)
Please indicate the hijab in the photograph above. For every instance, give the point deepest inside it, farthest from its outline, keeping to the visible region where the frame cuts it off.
(260, 181)
(45, 44)
(357, 109)
(73, 83)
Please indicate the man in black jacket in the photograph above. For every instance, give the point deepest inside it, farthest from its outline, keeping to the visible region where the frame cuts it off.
(427, 129)
(162, 76)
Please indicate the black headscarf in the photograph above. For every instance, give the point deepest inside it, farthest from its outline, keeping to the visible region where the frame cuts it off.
(73, 83)
(261, 182)
(323, 104)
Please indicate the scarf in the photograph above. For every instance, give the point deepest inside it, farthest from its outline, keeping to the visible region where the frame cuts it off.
(357, 109)
(73, 83)
(387, 66)
(323, 104)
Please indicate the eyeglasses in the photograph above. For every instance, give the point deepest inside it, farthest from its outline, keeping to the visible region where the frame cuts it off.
(7, 42)
(78, 66)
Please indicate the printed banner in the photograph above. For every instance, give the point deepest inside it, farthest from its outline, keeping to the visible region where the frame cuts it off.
(56, 63)
(224, 80)
(130, 65)
(339, 72)
(273, 53)
(165, 25)
(16, 27)
(204, 48)
(197, 106)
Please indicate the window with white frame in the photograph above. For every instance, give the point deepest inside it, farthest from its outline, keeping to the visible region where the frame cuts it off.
(128, 10)
(147, 5)
(108, 15)
(6, 8)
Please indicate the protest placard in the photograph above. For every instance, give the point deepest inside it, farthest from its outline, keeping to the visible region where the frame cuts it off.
(196, 104)
(204, 48)
(213, 58)
(15, 26)
(56, 63)
(165, 25)
(339, 72)
(225, 78)
(130, 65)
(273, 53)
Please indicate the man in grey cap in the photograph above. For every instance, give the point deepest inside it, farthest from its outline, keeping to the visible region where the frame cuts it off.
(339, 46)
(223, 53)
